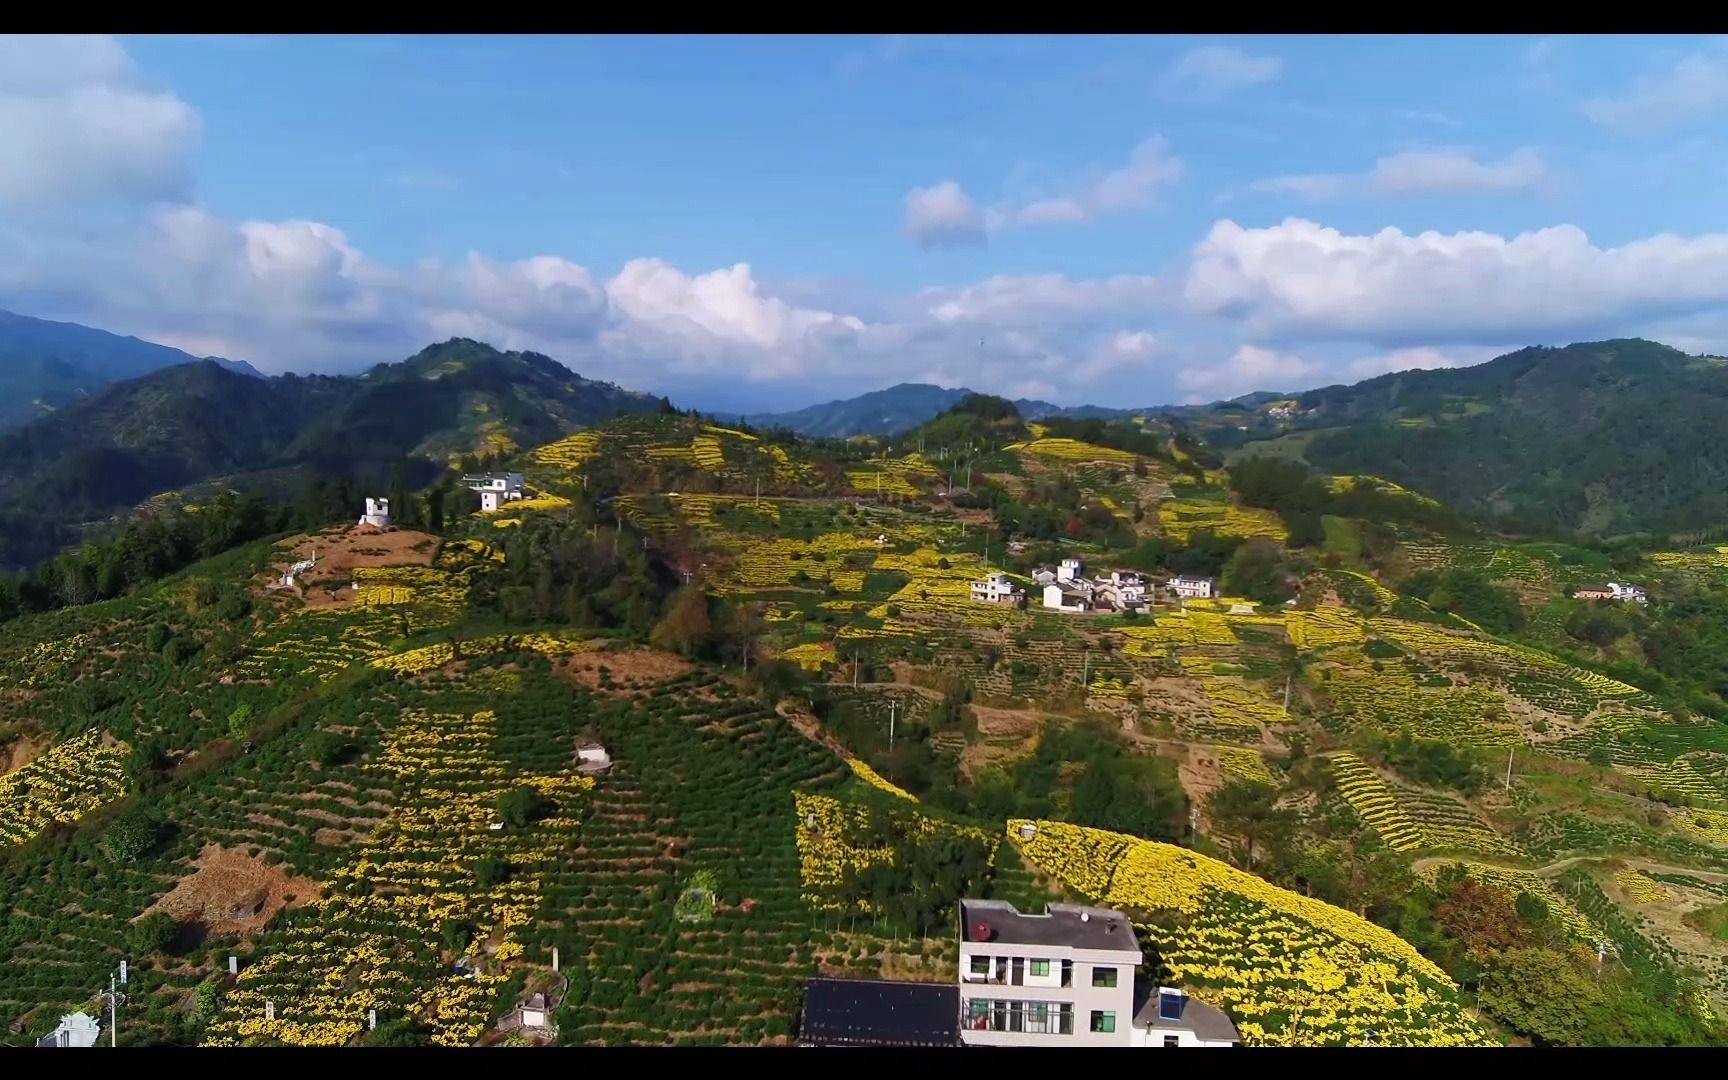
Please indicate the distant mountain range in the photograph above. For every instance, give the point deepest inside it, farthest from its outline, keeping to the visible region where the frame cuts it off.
(899, 408)
(1601, 437)
(46, 365)
(201, 421)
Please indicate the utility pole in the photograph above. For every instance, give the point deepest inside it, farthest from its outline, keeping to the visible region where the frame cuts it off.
(892, 705)
(1085, 672)
(1509, 755)
(854, 671)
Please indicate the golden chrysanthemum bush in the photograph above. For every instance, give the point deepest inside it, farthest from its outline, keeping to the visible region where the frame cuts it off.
(1239, 763)
(1641, 887)
(1181, 517)
(1074, 450)
(875, 779)
(371, 942)
(811, 655)
(1290, 970)
(66, 782)
(829, 854)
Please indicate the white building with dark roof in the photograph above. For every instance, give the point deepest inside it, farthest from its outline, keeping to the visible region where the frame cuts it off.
(495, 489)
(1061, 978)
(996, 589)
(1193, 588)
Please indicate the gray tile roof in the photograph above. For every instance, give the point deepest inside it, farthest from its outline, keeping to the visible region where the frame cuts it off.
(1073, 925)
(1206, 1021)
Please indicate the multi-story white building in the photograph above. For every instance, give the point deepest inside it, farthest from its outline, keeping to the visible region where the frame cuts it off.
(1072, 596)
(996, 589)
(1062, 978)
(1069, 569)
(1124, 588)
(495, 489)
(1193, 588)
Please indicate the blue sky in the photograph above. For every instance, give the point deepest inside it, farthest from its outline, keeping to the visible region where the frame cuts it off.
(763, 222)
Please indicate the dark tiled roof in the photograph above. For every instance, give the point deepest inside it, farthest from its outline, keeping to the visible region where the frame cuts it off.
(1205, 1021)
(1060, 924)
(875, 1012)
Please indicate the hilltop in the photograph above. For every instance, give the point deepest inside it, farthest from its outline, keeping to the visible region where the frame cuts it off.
(193, 423)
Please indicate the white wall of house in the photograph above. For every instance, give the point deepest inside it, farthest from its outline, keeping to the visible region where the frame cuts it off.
(1069, 569)
(1113, 1006)
(1054, 598)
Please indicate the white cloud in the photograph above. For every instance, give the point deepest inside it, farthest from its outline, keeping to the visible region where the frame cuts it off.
(1301, 280)
(1008, 300)
(1452, 169)
(1441, 170)
(1694, 87)
(1214, 70)
(74, 124)
(1249, 368)
(1131, 187)
(1420, 358)
(943, 215)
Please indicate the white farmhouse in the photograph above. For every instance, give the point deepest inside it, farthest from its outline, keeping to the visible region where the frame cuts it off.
(76, 1029)
(592, 759)
(1066, 597)
(495, 489)
(1624, 592)
(1062, 978)
(1193, 588)
(1069, 569)
(1124, 588)
(996, 589)
(377, 514)
(1171, 1018)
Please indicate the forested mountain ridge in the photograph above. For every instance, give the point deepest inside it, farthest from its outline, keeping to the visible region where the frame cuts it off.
(47, 365)
(1598, 437)
(199, 421)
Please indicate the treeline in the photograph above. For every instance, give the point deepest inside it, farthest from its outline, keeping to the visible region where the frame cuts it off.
(145, 549)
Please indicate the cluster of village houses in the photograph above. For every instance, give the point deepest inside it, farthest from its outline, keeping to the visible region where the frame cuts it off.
(1067, 588)
(1614, 590)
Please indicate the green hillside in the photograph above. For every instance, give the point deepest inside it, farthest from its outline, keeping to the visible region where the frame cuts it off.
(1299, 789)
(1598, 437)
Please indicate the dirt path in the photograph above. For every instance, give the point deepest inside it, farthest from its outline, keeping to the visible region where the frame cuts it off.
(1555, 869)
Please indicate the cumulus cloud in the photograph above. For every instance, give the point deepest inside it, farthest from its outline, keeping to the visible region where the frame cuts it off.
(1249, 368)
(1420, 358)
(1214, 70)
(1010, 300)
(943, 215)
(1301, 280)
(75, 124)
(1694, 87)
(1442, 170)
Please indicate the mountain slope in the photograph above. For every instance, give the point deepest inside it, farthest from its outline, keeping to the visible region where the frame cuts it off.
(1598, 436)
(200, 421)
(48, 365)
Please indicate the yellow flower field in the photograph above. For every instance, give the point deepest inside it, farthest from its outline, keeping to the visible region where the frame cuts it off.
(1288, 969)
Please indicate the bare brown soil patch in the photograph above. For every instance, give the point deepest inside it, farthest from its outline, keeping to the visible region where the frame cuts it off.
(623, 665)
(339, 551)
(233, 892)
(20, 752)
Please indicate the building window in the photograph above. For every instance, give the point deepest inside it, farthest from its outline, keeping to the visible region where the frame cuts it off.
(1103, 976)
(1103, 1022)
(1171, 1040)
(980, 965)
(1040, 967)
(1038, 1018)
